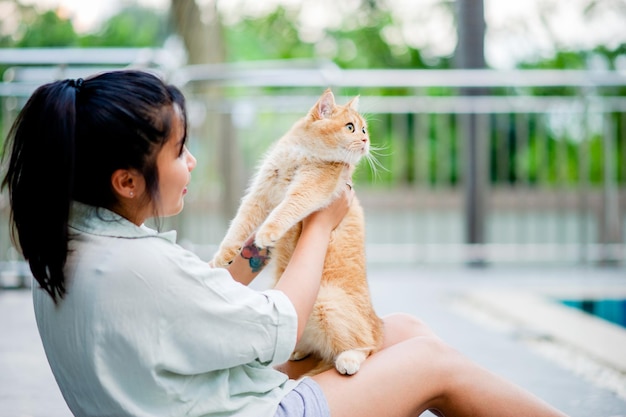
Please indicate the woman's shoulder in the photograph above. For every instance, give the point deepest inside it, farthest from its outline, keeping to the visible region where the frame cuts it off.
(145, 252)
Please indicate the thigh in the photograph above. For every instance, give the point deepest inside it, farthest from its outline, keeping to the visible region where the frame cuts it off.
(402, 380)
(422, 373)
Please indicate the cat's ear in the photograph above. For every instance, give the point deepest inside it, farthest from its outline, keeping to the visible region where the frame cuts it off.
(354, 103)
(325, 105)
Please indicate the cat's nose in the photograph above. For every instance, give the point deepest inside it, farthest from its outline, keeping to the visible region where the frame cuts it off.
(364, 140)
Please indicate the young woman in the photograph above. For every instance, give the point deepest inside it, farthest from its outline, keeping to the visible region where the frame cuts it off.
(134, 325)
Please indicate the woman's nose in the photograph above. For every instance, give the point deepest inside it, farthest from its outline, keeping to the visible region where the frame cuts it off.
(191, 161)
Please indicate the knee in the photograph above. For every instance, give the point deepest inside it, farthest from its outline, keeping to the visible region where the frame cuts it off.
(442, 358)
(410, 325)
(401, 326)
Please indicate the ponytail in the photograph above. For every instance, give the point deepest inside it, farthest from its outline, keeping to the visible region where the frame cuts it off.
(40, 179)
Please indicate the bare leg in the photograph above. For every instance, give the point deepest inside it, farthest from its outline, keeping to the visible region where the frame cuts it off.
(415, 372)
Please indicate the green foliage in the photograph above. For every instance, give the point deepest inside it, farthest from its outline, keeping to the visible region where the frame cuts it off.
(563, 154)
(276, 36)
(365, 48)
(132, 27)
(272, 37)
(47, 30)
(579, 60)
(561, 60)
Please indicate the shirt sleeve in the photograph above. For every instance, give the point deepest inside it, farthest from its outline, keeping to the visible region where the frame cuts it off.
(207, 321)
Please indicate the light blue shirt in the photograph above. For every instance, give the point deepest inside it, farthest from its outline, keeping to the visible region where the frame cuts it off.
(149, 329)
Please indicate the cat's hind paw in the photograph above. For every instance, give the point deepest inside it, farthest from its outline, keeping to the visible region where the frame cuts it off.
(349, 362)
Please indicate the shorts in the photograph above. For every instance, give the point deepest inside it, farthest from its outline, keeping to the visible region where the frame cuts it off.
(305, 400)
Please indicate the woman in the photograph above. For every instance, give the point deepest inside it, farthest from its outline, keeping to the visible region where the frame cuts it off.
(134, 325)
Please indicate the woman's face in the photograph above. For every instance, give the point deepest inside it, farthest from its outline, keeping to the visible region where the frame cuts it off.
(174, 164)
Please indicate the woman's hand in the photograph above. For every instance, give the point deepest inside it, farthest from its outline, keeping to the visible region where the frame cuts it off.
(329, 217)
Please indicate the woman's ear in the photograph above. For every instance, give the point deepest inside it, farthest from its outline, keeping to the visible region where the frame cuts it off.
(127, 183)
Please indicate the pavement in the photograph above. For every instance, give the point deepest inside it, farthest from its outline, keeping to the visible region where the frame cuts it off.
(525, 342)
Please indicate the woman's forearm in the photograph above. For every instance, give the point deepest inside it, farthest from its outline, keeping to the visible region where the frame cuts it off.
(249, 262)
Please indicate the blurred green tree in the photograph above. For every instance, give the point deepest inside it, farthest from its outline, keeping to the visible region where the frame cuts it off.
(274, 36)
(46, 30)
(277, 36)
(133, 26)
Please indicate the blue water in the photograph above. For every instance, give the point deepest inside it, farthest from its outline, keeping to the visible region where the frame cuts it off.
(613, 310)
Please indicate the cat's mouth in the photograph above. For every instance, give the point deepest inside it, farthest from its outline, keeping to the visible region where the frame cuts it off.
(355, 152)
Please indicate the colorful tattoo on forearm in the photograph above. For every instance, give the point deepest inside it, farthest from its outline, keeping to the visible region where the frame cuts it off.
(257, 258)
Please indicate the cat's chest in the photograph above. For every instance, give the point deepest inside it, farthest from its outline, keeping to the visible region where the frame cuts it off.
(276, 179)
(285, 174)
(280, 170)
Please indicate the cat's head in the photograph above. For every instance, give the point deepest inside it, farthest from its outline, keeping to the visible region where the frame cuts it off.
(335, 132)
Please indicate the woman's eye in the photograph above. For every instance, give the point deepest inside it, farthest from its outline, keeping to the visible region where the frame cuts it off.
(350, 127)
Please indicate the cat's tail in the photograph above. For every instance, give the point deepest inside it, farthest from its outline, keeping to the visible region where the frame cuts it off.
(322, 366)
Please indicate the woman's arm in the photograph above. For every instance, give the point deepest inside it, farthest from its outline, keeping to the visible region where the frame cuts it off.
(249, 262)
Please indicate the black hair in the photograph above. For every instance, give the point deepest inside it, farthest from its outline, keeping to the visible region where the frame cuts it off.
(66, 143)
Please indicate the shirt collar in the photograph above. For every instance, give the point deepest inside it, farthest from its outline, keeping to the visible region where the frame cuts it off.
(104, 222)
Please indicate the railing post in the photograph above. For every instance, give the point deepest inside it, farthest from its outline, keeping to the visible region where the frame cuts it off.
(584, 206)
(470, 53)
(610, 233)
(475, 182)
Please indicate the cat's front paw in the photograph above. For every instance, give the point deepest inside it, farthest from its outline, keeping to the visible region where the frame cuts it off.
(349, 362)
(224, 257)
(267, 237)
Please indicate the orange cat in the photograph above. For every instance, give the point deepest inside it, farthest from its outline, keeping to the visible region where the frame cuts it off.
(303, 172)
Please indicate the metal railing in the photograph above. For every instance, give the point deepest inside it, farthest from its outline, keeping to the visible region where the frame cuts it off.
(547, 167)
(479, 165)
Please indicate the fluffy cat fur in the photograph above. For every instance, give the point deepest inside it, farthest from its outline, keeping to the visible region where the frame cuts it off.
(304, 171)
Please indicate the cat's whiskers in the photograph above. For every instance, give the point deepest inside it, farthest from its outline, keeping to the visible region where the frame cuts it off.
(354, 152)
(372, 160)
(376, 150)
(374, 165)
(348, 159)
(351, 156)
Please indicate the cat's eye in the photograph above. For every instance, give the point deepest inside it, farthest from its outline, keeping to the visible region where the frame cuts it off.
(363, 130)
(350, 127)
